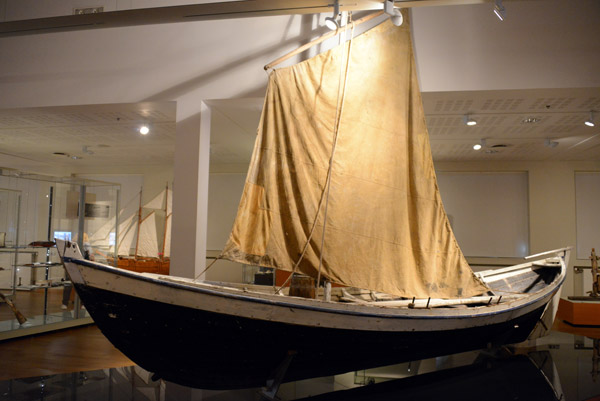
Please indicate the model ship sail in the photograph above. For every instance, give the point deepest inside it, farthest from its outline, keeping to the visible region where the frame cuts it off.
(386, 228)
(139, 232)
(164, 201)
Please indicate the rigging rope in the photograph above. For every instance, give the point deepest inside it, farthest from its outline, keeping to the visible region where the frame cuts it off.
(339, 110)
(325, 193)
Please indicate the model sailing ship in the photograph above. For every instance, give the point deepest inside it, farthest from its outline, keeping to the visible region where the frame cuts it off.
(341, 188)
(138, 233)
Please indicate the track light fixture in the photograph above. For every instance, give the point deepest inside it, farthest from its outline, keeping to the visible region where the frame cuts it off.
(394, 13)
(469, 121)
(332, 22)
(499, 10)
(590, 121)
(479, 145)
(550, 144)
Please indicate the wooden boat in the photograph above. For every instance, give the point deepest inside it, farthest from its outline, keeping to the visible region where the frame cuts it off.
(341, 188)
(226, 336)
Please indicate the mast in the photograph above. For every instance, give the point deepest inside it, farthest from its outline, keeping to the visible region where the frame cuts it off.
(139, 223)
(162, 252)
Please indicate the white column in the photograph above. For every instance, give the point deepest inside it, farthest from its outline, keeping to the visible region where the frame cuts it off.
(190, 194)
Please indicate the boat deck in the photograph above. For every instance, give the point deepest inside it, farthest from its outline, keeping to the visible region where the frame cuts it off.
(506, 284)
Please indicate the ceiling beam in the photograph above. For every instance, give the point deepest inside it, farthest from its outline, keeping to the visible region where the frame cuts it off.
(200, 12)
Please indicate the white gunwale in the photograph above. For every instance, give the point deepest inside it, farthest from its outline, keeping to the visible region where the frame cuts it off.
(272, 307)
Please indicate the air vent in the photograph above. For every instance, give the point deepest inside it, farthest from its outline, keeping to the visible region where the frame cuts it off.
(89, 10)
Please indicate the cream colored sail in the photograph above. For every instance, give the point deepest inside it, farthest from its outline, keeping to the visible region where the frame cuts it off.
(127, 233)
(163, 201)
(158, 202)
(386, 227)
(147, 241)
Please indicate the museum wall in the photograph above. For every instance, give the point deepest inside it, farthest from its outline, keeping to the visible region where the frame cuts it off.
(551, 210)
(552, 206)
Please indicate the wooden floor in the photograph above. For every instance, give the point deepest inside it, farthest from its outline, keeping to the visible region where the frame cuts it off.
(72, 350)
(31, 303)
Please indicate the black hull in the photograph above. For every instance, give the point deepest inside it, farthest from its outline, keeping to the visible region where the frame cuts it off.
(237, 352)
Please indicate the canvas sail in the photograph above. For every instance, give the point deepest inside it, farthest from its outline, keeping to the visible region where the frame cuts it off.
(386, 227)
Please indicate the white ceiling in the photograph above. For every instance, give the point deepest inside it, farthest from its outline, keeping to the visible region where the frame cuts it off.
(501, 120)
(89, 137)
(96, 136)
(458, 48)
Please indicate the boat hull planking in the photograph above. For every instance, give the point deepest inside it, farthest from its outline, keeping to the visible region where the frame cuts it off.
(239, 352)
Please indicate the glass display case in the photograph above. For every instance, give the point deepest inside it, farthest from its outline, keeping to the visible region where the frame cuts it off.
(35, 209)
(10, 201)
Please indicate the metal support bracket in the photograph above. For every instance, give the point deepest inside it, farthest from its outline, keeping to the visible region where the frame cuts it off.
(270, 392)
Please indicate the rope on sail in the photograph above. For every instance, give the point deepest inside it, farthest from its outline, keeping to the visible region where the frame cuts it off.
(325, 193)
(339, 110)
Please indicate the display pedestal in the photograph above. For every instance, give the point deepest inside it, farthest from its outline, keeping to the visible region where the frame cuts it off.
(579, 312)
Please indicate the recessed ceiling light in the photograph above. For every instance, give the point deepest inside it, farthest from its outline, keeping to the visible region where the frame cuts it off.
(144, 129)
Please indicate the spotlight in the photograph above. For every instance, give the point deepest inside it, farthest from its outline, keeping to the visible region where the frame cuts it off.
(469, 121)
(479, 145)
(394, 13)
(332, 22)
(144, 129)
(590, 122)
(550, 144)
(499, 10)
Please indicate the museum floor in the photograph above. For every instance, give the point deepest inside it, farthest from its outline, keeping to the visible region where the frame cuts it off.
(80, 364)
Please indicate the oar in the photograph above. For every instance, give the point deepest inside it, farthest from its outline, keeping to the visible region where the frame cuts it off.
(18, 314)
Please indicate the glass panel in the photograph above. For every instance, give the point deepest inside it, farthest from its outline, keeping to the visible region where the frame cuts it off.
(33, 211)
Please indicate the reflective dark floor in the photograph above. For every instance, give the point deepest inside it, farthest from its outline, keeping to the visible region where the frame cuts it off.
(561, 366)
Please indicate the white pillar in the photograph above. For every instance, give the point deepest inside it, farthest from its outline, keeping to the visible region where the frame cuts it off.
(190, 194)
